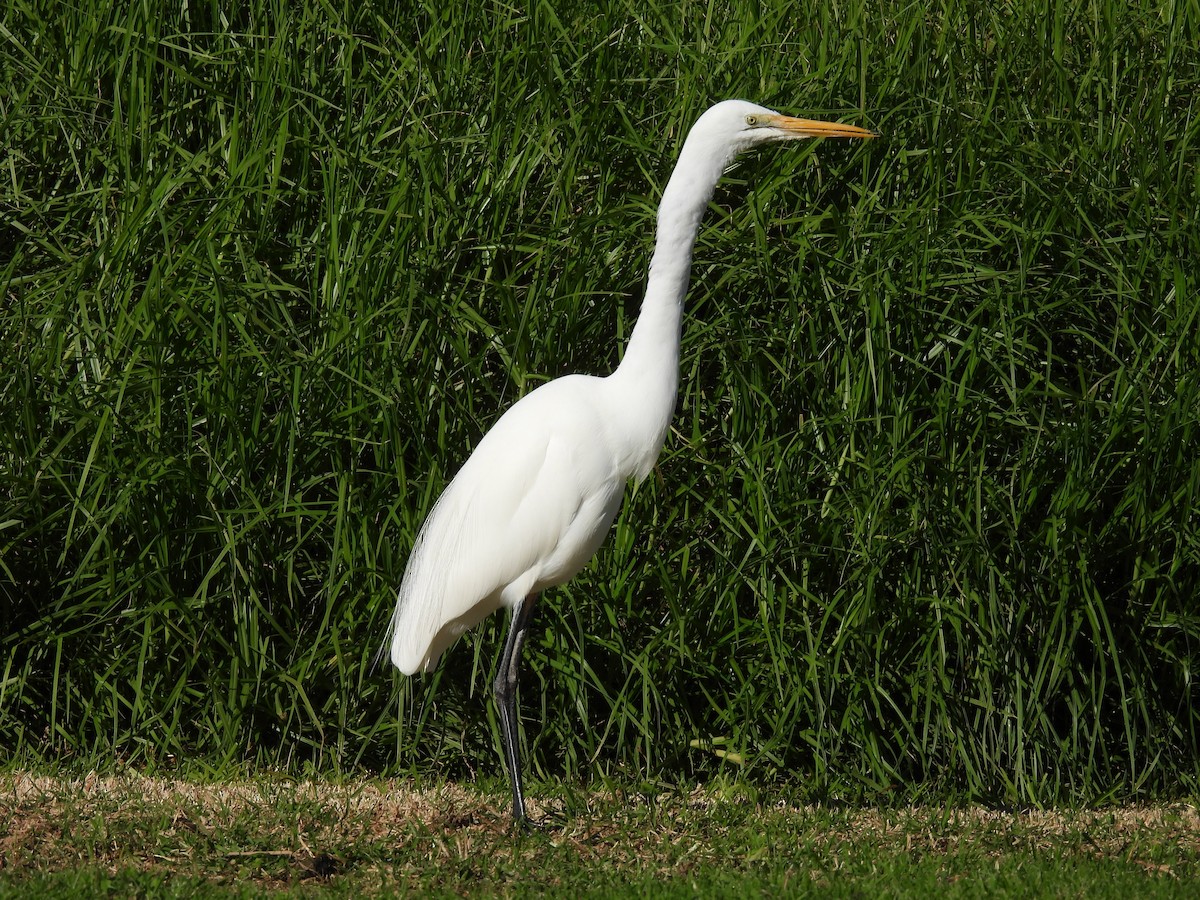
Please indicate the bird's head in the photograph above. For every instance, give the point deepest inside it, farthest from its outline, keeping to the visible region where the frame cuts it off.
(720, 134)
(740, 125)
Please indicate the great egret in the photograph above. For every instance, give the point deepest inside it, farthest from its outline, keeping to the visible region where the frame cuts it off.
(533, 503)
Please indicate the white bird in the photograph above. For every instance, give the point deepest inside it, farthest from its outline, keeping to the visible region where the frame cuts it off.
(535, 500)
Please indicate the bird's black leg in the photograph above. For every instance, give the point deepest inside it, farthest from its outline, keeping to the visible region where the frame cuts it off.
(506, 700)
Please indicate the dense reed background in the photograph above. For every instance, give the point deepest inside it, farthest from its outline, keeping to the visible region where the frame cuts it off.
(928, 517)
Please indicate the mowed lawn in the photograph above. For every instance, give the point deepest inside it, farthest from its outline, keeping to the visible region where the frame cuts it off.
(130, 834)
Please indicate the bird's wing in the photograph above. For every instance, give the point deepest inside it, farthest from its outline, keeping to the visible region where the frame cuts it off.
(543, 475)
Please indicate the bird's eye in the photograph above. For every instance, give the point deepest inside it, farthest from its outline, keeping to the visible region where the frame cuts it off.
(752, 121)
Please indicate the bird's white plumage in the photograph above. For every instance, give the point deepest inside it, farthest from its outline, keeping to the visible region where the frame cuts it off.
(527, 511)
(535, 500)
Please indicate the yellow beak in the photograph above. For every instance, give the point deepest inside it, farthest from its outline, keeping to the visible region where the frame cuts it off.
(811, 128)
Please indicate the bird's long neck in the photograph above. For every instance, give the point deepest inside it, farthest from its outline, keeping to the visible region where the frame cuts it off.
(648, 377)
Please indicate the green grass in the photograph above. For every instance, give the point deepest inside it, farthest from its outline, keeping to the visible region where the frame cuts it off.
(927, 522)
(129, 835)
